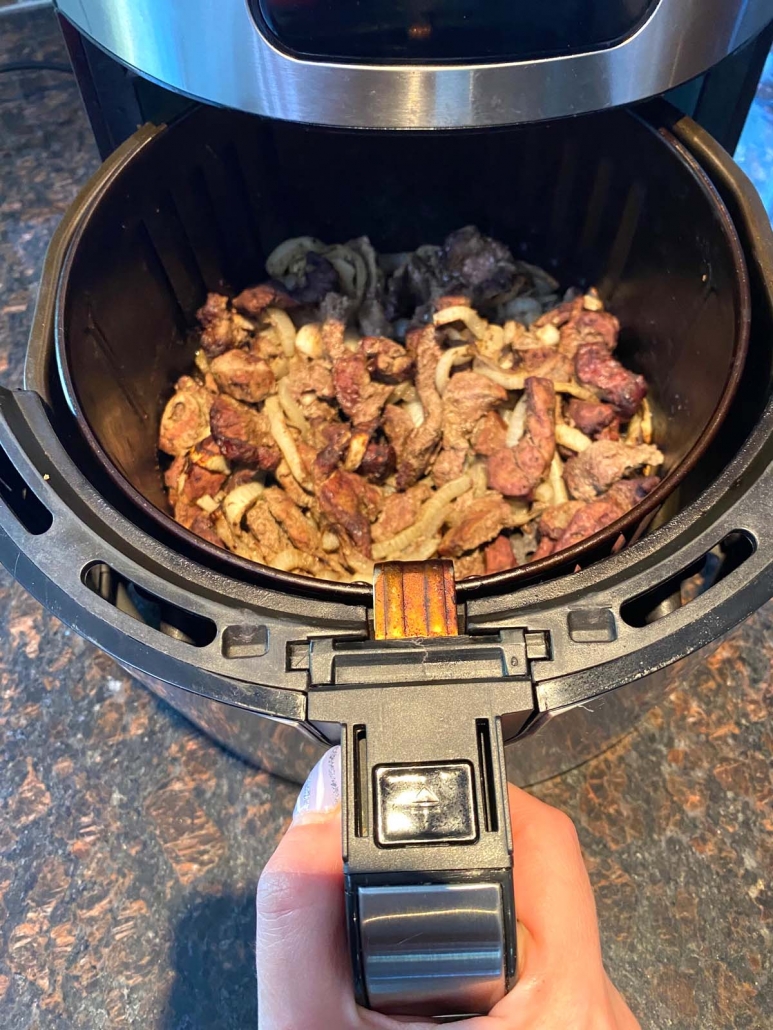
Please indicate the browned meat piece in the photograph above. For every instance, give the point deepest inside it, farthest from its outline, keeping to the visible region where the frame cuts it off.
(483, 267)
(595, 327)
(379, 461)
(468, 397)
(590, 416)
(628, 492)
(347, 501)
(243, 434)
(359, 397)
(172, 476)
(452, 300)
(239, 478)
(207, 454)
(588, 520)
(200, 482)
(202, 527)
(302, 532)
(515, 471)
(499, 556)
(602, 464)
(223, 327)
(419, 447)
(483, 520)
(622, 389)
(490, 434)
(243, 376)
(336, 437)
(310, 376)
(545, 548)
(387, 361)
(256, 299)
(398, 426)
(545, 362)
(264, 527)
(448, 465)
(610, 432)
(400, 511)
(560, 316)
(185, 418)
(554, 521)
(469, 565)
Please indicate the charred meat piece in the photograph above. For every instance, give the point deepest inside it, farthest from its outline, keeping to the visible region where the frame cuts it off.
(468, 397)
(358, 396)
(223, 328)
(317, 280)
(185, 419)
(243, 434)
(499, 556)
(379, 461)
(590, 416)
(482, 267)
(400, 511)
(515, 471)
(256, 299)
(617, 386)
(301, 530)
(243, 376)
(336, 437)
(420, 445)
(386, 360)
(490, 434)
(419, 279)
(172, 476)
(483, 520)
(351, 505)
(603, 463)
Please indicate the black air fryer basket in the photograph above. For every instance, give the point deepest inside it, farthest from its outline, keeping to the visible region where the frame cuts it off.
(645, 206)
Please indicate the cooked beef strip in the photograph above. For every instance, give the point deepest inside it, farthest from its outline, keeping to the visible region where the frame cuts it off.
(379, 462)
(270, 536)
(200, 482)
(516, 471)
(499, 556)
(602, 464)
(400, 511)
(243, 434)
(254, 300)
(468, 565)
(545, 362)
(301, 530)
(222, 327)
(185, 418)
(421, 443)
(351, 504)
(468, 397)
(243, 376)
(490, 434)
(202, 527)
(357, 395)
(386, 360)
(554, 520)
(622, 389)
(483, 520)
(448, 465)
(590, 416)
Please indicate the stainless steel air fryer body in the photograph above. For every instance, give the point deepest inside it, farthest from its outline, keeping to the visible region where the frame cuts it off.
(439, 63)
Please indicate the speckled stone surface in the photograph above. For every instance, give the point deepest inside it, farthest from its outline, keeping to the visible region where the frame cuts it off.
(130, 844)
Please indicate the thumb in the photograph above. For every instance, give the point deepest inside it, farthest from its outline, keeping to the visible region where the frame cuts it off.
(304, 979)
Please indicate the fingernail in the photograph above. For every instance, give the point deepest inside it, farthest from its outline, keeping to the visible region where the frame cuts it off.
(321, 793)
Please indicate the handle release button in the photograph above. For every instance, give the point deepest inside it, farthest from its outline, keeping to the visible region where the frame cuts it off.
(425, 804)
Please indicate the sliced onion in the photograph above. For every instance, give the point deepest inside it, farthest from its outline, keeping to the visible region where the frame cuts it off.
(422, 551)
(548, 335)
(449, 358)
(524, 310)
(592, 302)
(238, 502)
(462, 313)
(517, 423)
(291, 407)
(284, 440)
(479, 478)
(517, 381)
(416, 411)
(571, 437)
(280, 259)
(207, 504)
(308, 340)
(283, 324)
(543, 493)
(330, 542)
(432, 515)
(291, 559)
(646, 421)
(556, 477)
(633, 434)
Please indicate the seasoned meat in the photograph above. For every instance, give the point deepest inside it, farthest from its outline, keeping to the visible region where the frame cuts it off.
(386, 360)
(185, 420)
(628, 492)
(545, 362)
(468, 397)
(590, 416)
(483, 520)
(200, 482)
(399, 512)
(358, 396)
(482, 267)
(468, 565)
(172, 476)
(448, 465)
(223, 328)
(622, 389)
(310, 375)
(379, 461)
(418, 448)
(269, 535)
(588, 520)
(351, 504)
(301, 530)
(239, 478)
(499, 555)
(602, 464)
(545, 548)
(256, 299)
(202, 526)
(579, 326)
(243, 376)
(554, 521)
(243, 434)
(398, 426)
(336, 437)
(490, 434)
(515, 471)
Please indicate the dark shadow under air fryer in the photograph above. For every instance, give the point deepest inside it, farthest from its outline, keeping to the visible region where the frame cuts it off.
(607, 200)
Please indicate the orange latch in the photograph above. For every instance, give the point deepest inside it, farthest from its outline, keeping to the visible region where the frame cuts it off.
(414, 599)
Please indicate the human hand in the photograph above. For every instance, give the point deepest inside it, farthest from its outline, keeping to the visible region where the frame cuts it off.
(304, 977)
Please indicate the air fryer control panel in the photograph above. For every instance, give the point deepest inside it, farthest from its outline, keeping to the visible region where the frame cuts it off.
(448, 30)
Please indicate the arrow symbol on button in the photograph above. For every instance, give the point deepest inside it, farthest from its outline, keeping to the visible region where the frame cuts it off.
(423, 798)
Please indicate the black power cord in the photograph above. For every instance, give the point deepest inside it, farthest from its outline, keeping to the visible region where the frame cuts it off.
(36, 66)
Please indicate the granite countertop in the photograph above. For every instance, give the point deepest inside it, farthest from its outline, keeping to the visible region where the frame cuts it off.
(130, 844)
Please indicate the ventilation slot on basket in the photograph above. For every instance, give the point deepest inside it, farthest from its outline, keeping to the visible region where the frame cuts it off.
(28, 509)
(691, 582)
(159, 614)
(360, 752)
(486, 766)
